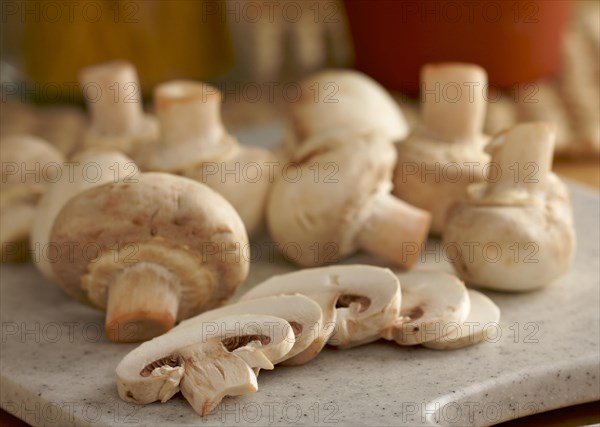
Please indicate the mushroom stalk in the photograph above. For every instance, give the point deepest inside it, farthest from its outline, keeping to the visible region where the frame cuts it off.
(142, 303)
(452, 108)
(113, 96)
(391, 217)
(521, 159)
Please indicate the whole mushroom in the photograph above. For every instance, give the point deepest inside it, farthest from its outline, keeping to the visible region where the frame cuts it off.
(194, 143)
(446, 152)
(29, 165)
(336, 200)
(149, 253)
(515, 231)
(87, 169)
(113, 97)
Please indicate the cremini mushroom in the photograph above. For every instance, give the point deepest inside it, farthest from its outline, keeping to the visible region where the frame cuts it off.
(29, 165)
(446, 152)
(342, 99)
(430, 302)
(515, 231)
(206, 363)
(87, 169)
(194, 143)
(336, 200)
(358, 301)
(113, 96)
(483, 315)
(302, 313)
(149, 253)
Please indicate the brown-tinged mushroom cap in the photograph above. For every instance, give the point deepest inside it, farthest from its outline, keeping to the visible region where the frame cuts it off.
(29, 165)
(430, 302)
(150, 252)
(359, 301)
(208, 362)
(445, 153)
(336, 201)
(302, 313)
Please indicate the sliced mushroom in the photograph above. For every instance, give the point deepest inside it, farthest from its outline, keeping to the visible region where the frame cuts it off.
(342, 99)
(303, 314)
(88, 169)
(430, 302)
(150, 252)
(473, 329)
(206, 363)
(194, 143)
(338, 200)
(29, 165)
(113, 97)
(358, 301)
(446, 153)
(515, 231)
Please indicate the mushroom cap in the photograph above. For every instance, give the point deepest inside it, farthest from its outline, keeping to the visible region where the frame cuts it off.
(302, 313)
(172, 221)
(358, 300)
(339, 99)
(325, 201)
(433, 175)
(473, 329)
(207, 362)
(104, 167)
(516, 247)
(430, 301)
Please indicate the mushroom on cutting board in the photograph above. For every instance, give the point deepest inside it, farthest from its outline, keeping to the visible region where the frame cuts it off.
(89, 168)
(205, 363)
(337, 201)
(113, 96)
(482, 315)
(430, 302)
(446, 152)
(358, 301)
(515, 231)
(342, 99)
(194, 143)
(29, 165)
(149, 253)
(302, 313)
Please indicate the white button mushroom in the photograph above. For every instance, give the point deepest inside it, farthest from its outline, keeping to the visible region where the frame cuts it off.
(342, 99)
(358, 301)
(338, 201)
(194, 143)
(515, 231)
(430, 302)
(302, 313)
(445, 154)
(89, 168)
(206, 363)
(113, 97)
(150, 252)
(29, 165)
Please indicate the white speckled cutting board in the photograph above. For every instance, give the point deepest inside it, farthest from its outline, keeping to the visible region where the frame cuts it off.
(58, 369)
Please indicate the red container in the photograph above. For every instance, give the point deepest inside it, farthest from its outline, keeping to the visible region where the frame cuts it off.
(514, 40)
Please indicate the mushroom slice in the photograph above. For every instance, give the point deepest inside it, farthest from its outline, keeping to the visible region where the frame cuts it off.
(358, 301)
(430, 301)
(302, 313)
(473, 329)
(206, 363)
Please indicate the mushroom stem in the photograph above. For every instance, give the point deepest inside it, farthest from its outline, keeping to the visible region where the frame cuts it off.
(521, 159)
(395, 230)
(189, 113)
(142, 303)
(453, 102)
(113, 96)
